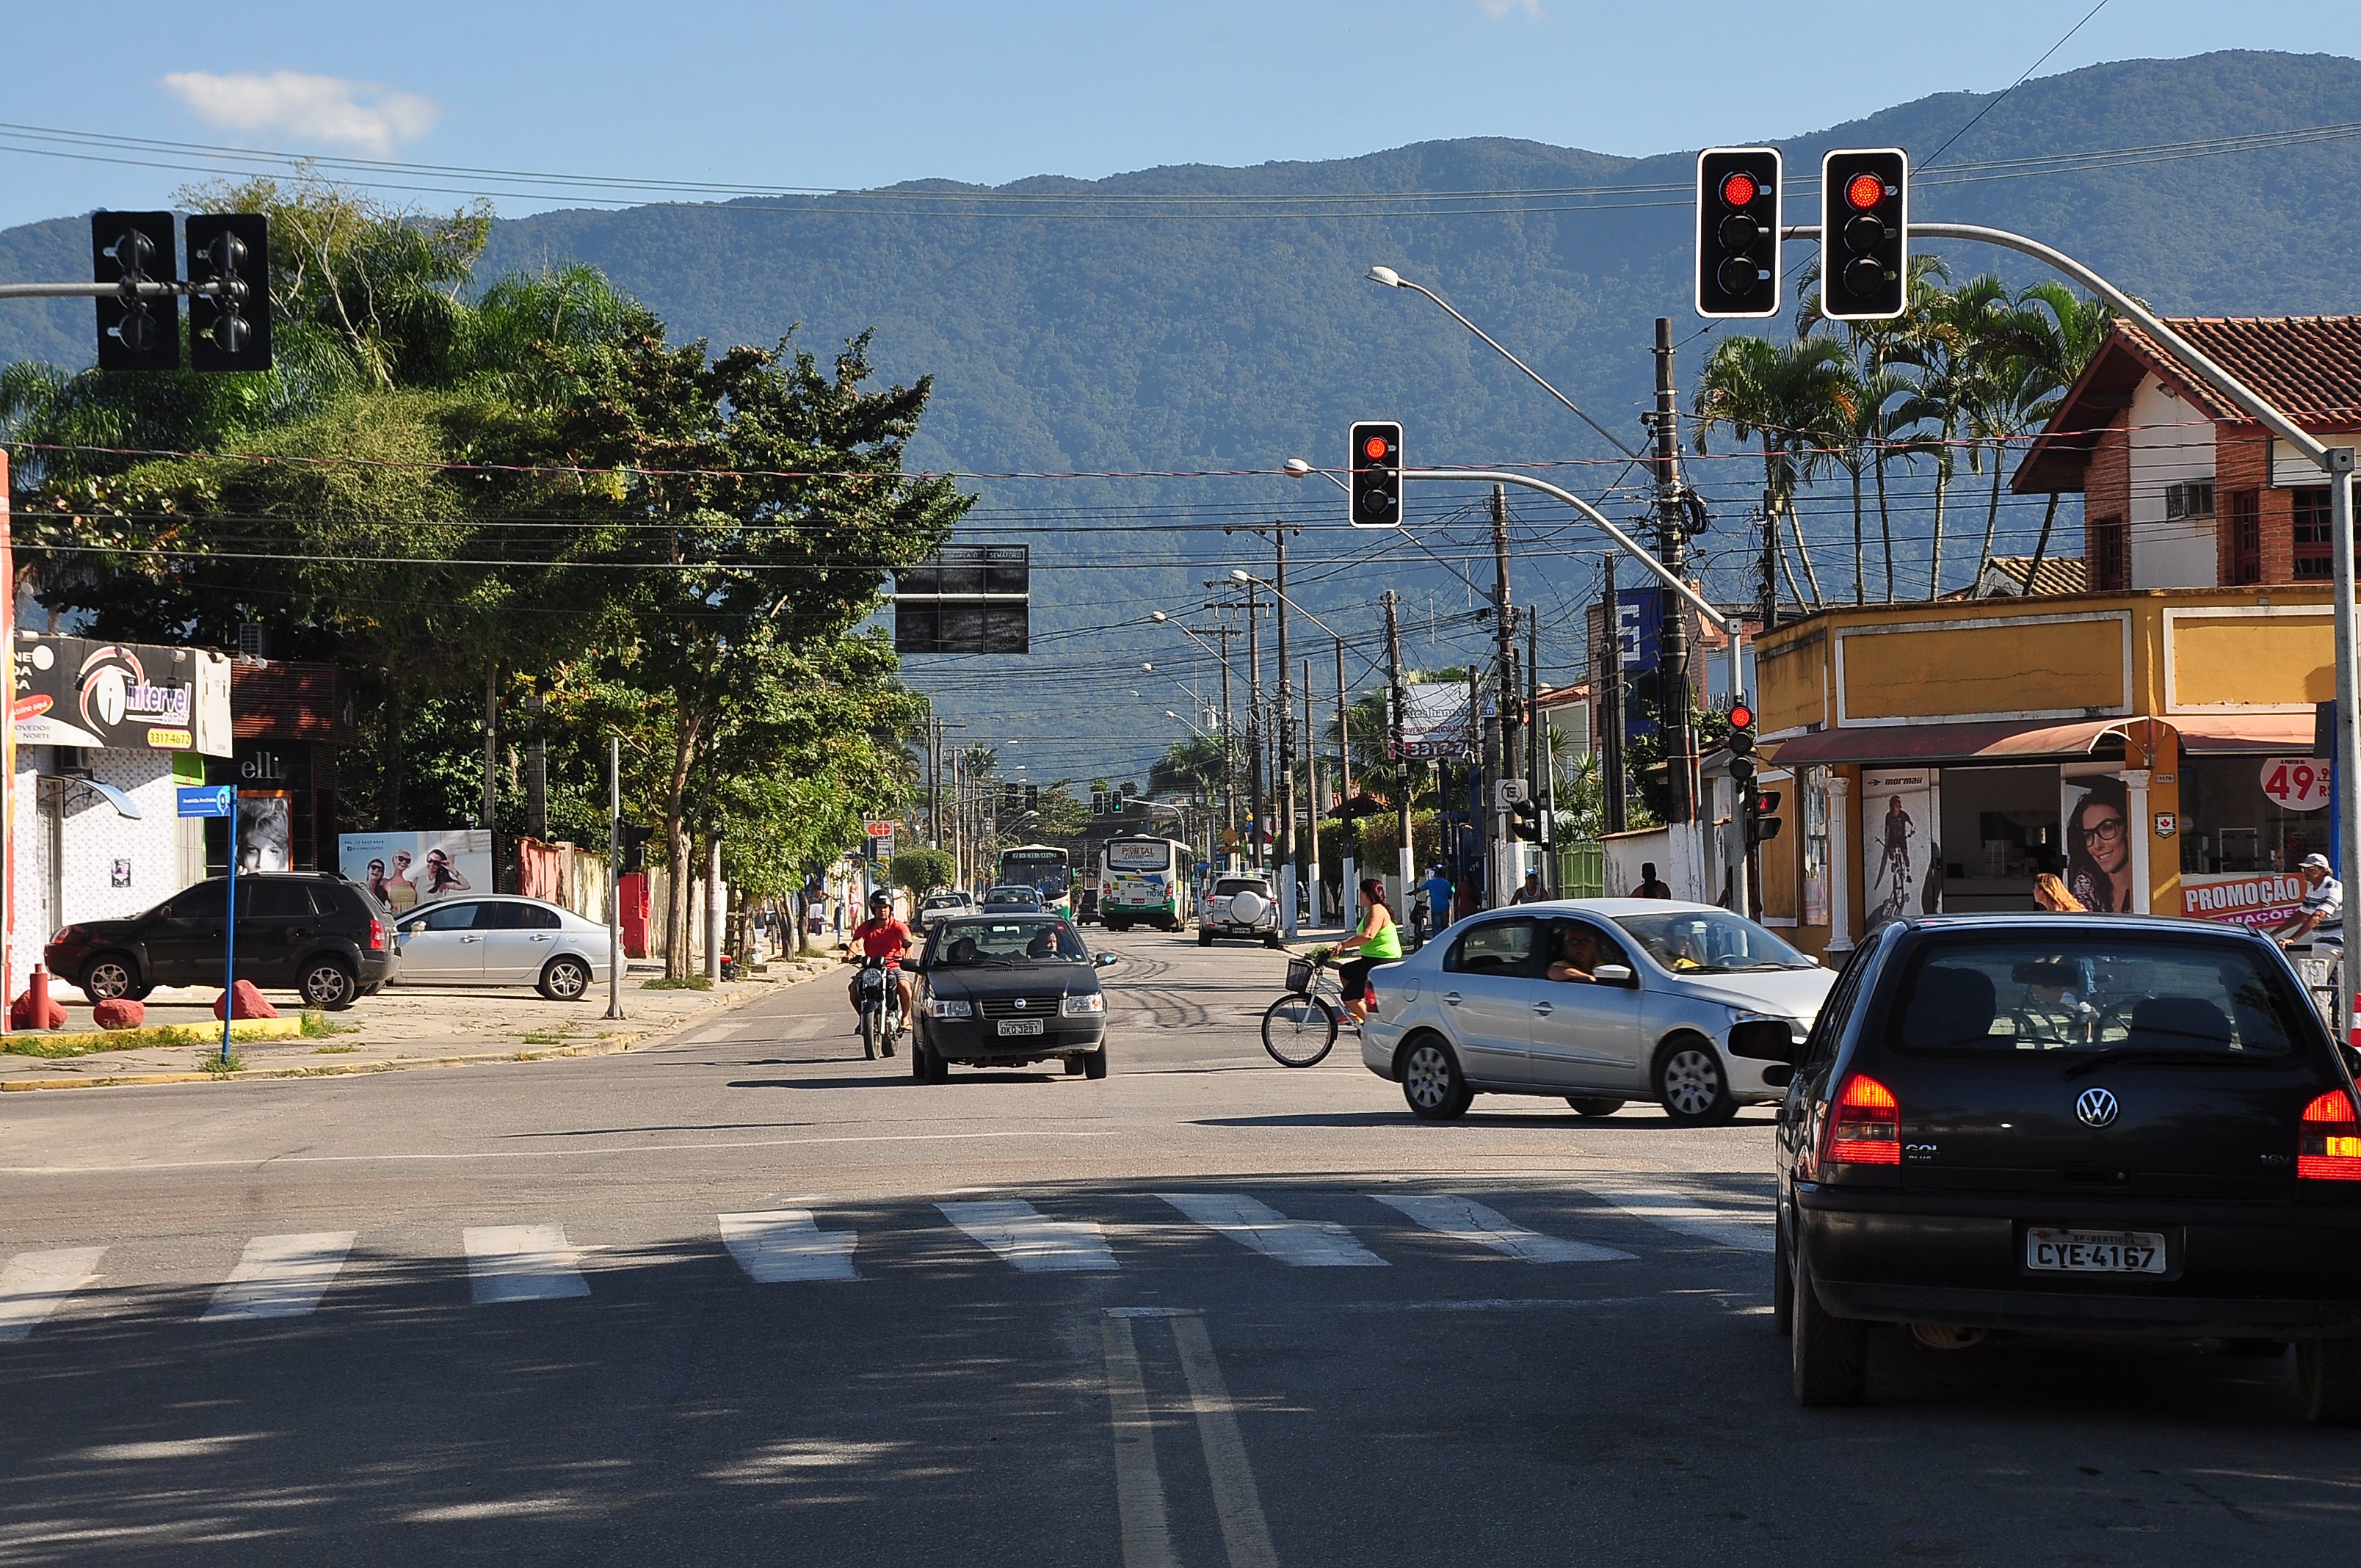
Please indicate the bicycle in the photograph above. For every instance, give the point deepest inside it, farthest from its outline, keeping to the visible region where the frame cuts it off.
(1300, 1028)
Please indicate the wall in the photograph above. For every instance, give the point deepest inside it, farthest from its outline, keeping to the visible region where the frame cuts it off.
(2169, 441)
(90, 839)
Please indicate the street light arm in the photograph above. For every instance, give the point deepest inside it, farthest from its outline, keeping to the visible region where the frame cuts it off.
(1395, 280)
(1298, 609)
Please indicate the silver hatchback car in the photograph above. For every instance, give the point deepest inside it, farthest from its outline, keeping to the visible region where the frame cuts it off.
(1598, 1001)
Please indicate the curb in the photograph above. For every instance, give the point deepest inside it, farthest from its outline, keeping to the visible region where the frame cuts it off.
(612, 1047)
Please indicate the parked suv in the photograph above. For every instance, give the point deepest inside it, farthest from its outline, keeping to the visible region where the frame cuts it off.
(2096, 1126)
(1241, 907)
(318, 934)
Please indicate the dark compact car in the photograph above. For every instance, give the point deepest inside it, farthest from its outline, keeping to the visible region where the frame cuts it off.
(2091, 1125)
(319, 934)
(1008, 991)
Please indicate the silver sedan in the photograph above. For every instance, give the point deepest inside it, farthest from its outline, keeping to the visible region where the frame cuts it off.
(1598, 1001)
(497, 939)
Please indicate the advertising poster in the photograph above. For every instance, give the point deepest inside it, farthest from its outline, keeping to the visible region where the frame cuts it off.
(406, 870)
(1437, 721)
(71, 691)
(1638, 640)
(2096, 810)
(1902, 864)
(2242, 898)
(266, 839)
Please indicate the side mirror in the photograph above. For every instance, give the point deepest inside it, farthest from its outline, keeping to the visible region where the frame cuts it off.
(1613, 974)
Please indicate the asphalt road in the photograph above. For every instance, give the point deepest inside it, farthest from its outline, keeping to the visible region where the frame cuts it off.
(749, 1297)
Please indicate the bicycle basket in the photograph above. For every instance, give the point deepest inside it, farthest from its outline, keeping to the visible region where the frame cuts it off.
(1298, 974)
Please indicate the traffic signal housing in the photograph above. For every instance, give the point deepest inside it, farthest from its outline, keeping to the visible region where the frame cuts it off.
(1032, 797)
(1761, 815)
(230, 330)
(1741, 748)
(1377, 469)
(1525, 821)
(1864, 234)
(1738, 207)
(136, 334)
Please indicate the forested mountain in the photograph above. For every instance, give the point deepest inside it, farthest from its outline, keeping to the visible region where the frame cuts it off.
(1196, 318)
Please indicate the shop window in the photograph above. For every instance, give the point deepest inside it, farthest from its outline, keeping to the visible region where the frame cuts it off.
(2246, 536)
(2111, 553)
(2229, 824)
(2314, 560)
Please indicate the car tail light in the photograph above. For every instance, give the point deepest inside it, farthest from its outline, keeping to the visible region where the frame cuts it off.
(1866, 1126)
(376, 935)
(2328, 1145)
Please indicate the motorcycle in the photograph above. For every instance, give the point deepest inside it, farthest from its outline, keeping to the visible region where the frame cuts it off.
(881, 1009)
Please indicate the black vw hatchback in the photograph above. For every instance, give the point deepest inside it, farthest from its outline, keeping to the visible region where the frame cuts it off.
(1008, 991)
(2082, 1124)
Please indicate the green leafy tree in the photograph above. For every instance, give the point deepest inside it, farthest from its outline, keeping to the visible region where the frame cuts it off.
(921, 870)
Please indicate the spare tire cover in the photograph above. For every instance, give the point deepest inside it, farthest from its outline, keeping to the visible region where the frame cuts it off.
(1245, 908)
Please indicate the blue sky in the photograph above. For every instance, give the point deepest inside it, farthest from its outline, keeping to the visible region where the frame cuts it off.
(862, 94)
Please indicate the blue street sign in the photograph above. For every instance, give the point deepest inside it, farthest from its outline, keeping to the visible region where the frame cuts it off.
(207, 800)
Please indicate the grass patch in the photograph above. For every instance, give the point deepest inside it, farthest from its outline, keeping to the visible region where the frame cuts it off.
(686, 983)
(332, 1050)
(318, 1026)
(221, 1066)
(544, 1038)
(55, 1046)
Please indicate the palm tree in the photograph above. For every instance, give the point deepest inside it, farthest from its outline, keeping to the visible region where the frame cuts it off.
(2053, 333)
(1862, 437)
(1785, 396)
(1953, 384)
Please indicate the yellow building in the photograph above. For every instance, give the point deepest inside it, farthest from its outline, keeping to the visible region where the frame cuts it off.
(2153, 747)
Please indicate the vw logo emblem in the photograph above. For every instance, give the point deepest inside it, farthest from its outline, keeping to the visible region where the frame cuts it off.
(1020, 1007)
(2096, 1107)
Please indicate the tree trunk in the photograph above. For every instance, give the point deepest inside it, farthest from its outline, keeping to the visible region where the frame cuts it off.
(2041, 546)
(390, 797)
(1860, 588)
(676, 847)
(1942, 488)
(1992, 513)
(1886, 526)
(1796, 527)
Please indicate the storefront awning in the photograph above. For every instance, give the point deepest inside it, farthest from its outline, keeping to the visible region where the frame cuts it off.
(2262, 734)
(2002, 741)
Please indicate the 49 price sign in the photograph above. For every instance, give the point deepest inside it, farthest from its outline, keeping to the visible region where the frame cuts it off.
(2296, 783)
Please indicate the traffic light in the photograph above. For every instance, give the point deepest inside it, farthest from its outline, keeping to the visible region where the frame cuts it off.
(1741, 747)
(136, 334)
(1738, 198)
(1864, 234)
(230, 331)
(634, 839)
(1761, 815)
(1011, 799)
(1376, 473)
(1525, 821)
(1032, 797)
(1098, 802)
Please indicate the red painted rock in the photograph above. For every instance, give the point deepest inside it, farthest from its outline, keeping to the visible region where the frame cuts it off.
(119, 1012)
(20, 1014)
(249, 1002)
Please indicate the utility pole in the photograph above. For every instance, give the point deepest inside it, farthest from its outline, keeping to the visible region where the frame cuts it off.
(1396, 701)
(1229, 743)
(614, 876)
(1254, 732)
(1533, 732)
(1608, 666)
(1672, 548)
(1312, 804)
(1350, 868)
(1507, 689)
(1287, 900)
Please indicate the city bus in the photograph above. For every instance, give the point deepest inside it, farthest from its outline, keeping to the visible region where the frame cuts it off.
(1040, 866)
(1144, 881)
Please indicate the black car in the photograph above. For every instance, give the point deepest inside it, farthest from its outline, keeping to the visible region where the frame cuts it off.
(2090, 1125)
(321, 936)
(1008, 991)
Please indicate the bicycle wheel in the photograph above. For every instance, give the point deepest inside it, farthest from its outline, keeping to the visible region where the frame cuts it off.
(1299, 1030)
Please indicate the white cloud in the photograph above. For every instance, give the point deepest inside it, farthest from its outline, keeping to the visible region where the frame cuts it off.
(1496, 9)
(359, 114)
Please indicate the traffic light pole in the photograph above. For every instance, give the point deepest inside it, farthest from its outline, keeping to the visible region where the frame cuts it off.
(2336, 462)
(1730, 625)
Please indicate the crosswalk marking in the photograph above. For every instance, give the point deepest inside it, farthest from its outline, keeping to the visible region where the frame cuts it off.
(1730, 1228)
(522, 1263)
(1031, 1240)
(34, 1283)
(1463, 1219)
(1301, 1243)
(776, 1245)
(281, 1277)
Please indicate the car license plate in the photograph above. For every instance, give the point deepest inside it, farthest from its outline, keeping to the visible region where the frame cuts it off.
(1020, 1026)
(2094, 1252)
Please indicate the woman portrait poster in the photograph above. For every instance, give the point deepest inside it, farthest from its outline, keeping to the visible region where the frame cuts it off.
(2099, 844)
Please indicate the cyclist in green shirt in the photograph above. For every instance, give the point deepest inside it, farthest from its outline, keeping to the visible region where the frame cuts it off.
(1376, 940)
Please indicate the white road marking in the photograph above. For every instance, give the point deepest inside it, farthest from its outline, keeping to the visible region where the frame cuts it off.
(721, 1031)
(1674, 1211)
(1138, 1484)
(1030, 1239)
(281, 1277)
(1463, 1219)
(775, 1246)
(1236, 1501)
(34, 1283)
(522, 1263)
(1302, 1244)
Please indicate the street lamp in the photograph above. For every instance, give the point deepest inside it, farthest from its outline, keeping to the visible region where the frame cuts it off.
(1229, 760)
(1239, 574)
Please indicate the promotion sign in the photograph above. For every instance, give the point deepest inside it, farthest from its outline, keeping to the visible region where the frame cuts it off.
(405, 869)
(71, 691)
(2296, 783)
(2242, 898)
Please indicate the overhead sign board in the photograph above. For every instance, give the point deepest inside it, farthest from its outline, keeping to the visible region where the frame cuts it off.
(965, 598)
(72, 691)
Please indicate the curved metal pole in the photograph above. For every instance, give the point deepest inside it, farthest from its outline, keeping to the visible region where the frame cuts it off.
(1535, 376)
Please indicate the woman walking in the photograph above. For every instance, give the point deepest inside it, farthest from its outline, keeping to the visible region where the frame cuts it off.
(1376, 940)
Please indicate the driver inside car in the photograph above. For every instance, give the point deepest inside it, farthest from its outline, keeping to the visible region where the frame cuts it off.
(1577, 956)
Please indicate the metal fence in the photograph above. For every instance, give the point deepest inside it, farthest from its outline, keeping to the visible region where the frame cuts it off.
(1581, 870)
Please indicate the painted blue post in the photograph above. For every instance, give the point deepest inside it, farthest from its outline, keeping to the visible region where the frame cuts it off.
(229, 944)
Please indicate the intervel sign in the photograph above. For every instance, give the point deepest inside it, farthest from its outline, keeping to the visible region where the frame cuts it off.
(71, 691)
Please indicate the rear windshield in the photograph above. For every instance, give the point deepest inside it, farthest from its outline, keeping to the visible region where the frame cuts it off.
(1239, 884)
(2084, 993)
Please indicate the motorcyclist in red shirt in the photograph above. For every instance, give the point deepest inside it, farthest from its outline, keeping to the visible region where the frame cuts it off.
(882, 936)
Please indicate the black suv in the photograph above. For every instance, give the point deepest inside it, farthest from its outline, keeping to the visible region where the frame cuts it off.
(2093, 1125)
(321, 936)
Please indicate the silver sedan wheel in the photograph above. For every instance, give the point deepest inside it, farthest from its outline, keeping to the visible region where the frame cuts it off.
(1692, 1081)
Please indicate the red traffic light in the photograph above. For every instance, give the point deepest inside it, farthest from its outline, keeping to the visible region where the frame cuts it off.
(1741, 716)
(1376, 447)
(1739, 190)
(1864, 192)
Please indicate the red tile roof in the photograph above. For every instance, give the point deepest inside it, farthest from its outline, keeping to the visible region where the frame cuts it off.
(278, 701)
(2307, 366)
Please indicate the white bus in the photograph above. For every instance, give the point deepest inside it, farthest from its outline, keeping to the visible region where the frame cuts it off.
(1144, 881)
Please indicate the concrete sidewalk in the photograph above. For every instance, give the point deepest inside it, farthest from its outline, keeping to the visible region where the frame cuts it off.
(399, 1028)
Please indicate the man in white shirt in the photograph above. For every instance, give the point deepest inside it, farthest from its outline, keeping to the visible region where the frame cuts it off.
(2319, 920)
